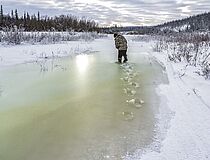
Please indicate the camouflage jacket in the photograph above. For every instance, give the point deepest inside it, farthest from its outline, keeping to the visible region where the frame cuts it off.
(121, 42)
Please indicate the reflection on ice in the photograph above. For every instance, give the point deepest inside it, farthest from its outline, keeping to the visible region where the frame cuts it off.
(82, 62)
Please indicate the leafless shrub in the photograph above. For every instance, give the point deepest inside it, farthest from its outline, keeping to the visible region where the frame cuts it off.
(159, 46)
(206, 70)
(16, 36)
(144, 38)
(11, 36)
(192, 48)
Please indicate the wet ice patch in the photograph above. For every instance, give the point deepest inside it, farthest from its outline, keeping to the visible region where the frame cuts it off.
(127, 115)
(126, 79)
(128, 70)
(127, 67)
(137, 102)
(136, 85)
(131, 74)
(129, 91)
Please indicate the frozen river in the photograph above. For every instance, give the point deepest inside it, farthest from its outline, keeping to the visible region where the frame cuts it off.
(85, 107)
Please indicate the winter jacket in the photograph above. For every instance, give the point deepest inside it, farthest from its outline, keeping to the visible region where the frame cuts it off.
(120, 42)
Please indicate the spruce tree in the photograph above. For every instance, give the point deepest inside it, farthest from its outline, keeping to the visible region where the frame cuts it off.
(24, 20)
(28, 16)
(12, 14)
(1, 16)
(16, 15)
(38, 15)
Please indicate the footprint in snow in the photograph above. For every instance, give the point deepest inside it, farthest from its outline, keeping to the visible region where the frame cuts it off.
(126, 79)
(131, 74)
(137, 102)
(129, 91)
(126, 67)
(136, 85)
(128, 115)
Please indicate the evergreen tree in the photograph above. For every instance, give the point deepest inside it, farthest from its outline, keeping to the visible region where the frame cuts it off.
(38, 15)
(24, 20)
(12, 14)
(16, 15)
(1, 16)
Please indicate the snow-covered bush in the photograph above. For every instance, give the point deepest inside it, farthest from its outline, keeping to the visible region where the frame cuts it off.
(160, 45)
(15, 36)
(206, 70)
(194, 49)
(11, 36)
(144, 38)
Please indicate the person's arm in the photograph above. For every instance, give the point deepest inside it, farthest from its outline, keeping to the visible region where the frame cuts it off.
(117, 43)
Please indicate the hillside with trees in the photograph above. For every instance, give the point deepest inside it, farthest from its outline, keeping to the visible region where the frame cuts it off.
(195, 23)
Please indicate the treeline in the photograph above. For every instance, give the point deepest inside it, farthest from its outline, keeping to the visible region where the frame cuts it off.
(37, 22)
(195, 23)
(139, 30)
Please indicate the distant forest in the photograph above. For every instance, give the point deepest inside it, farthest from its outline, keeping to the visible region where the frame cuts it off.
(37, 22)
(197, 23)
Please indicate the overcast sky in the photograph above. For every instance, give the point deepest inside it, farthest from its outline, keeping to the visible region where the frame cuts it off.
(110, 12)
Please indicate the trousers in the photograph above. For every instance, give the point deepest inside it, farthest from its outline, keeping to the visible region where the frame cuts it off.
(122, 53)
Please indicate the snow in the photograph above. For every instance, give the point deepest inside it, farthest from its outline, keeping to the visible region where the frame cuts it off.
(176, 29)
(12, 55)
(187, 135)
(183, 127)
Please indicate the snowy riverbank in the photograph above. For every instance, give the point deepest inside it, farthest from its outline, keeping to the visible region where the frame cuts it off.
(184, 130)
(12, 55)
(38, 46)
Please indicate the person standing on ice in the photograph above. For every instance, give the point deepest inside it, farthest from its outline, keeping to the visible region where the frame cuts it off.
(121, 45)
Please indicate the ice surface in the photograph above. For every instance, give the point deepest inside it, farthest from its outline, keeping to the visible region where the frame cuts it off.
(74, 107)
(49, 106)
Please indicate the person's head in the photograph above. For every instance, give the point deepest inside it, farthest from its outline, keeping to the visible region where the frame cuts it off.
(115, 35)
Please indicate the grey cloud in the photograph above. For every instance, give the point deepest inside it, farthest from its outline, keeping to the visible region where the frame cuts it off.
(136, 12)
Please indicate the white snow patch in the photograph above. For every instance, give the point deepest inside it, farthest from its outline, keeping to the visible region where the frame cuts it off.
(187, 98)
(12, 55)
